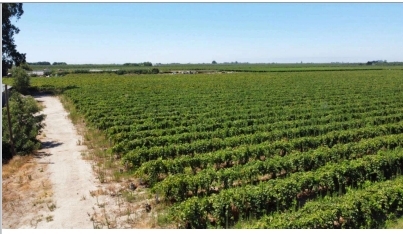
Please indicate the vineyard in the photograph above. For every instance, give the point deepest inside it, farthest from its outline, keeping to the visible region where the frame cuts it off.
(312, 149)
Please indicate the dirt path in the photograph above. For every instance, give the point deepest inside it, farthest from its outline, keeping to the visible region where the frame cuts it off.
(71, 177)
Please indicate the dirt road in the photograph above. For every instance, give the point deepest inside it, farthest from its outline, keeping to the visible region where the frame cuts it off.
(71, 177)
(52, 189)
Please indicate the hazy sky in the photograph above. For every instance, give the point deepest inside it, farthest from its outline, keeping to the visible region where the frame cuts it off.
(201, 32)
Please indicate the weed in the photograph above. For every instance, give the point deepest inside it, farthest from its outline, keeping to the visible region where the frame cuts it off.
(106, 219)
(129, 196)
(34, 222)
(101, 176)
(95, 224)
(116, 176)
(52, 206)
(49, 218)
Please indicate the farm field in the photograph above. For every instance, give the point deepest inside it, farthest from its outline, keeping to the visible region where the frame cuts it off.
(312, 149)
(167, 68)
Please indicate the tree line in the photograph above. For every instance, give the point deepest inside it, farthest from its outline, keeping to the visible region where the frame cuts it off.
(47, 63)
(145, 64)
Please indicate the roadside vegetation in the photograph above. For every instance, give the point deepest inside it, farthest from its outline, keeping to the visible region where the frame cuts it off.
(26, 122)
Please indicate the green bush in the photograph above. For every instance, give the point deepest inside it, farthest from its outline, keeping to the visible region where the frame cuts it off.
(47, 73)
(21, 80)
(121, 72)
(25, 66)
(62, 73)
(26, 124)
(80, 71)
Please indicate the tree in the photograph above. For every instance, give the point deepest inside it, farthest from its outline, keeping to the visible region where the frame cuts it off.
(40, 63)
(131, 64)
(155, 71)
(214, 62)
(25, 66)
(21, 80)
(10, 54)
(26, 124)
(59, 63)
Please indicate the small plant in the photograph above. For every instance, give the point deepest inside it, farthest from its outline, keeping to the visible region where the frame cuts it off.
(128, 212)
(116, 176)
(52, 206)
(129, 196)
(49, 218)
(106, 219)
(95, 194)
(101, 176)
(34, 222)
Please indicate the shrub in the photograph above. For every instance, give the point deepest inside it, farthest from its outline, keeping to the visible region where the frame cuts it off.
(25, 66)
(62, 73)
(21, 80)
(80, 71)
(121, 72)
(47, 73)
(26, 124)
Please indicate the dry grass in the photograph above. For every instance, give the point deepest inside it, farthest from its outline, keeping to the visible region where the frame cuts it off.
(25, 191)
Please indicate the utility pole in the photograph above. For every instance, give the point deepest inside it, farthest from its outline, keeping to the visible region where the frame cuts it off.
(9, 124)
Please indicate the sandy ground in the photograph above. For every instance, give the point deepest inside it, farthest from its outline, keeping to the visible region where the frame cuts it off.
(57, 188)
(70, 175)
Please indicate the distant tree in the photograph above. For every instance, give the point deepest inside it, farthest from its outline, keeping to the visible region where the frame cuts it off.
(21, 80)
(131, 64)
(147, 64)
(10, 54)
(40, 63)
(59, 63)
(214, 62)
